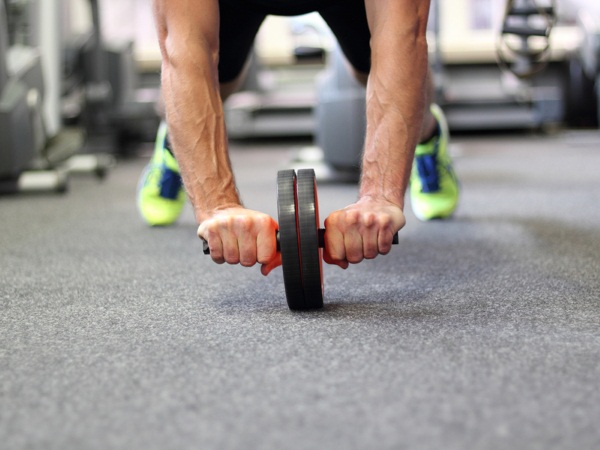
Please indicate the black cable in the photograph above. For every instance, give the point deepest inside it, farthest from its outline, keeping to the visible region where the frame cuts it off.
(523, 47)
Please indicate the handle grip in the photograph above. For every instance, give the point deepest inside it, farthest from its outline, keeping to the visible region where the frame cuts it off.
(206, 249)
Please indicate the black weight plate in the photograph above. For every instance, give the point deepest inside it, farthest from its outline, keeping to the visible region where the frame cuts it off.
(288, 239)
(311, 260)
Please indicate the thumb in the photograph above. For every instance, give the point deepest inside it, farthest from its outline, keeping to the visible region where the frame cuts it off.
(266, 269)
(329, 260)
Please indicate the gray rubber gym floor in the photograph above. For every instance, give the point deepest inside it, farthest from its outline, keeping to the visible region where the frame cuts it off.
(482, 332)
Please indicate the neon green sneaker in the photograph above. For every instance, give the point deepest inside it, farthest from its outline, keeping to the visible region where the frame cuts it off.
(433, 183)
(160, 193)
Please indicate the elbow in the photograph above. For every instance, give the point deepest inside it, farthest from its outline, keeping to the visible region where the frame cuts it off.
(179, 49)
(401, 28)
(168, 50)
(417, 33)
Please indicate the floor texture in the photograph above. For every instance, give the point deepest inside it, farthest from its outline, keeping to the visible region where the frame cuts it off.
(481, 332)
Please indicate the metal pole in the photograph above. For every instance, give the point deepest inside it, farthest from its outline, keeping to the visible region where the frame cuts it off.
(438, 64)
(49, 44)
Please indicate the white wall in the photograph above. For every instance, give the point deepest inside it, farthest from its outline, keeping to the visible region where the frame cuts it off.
(131, 20)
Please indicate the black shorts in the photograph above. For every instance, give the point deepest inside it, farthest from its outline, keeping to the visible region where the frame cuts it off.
(241, 19)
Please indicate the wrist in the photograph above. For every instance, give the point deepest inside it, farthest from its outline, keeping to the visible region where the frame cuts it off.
(210, 194)
(207, 203)
(371, 191)
(206, 213)
(385, 172)
(376, 198)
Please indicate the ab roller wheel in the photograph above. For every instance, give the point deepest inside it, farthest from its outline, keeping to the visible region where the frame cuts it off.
(301, 255)
(299, 239)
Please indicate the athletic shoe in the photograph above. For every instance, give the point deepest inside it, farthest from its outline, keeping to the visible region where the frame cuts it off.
(433, 183)
(160, 193)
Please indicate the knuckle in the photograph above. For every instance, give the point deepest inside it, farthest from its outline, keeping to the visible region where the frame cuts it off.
(353, 217)
(218, 259)
(248, 256)
(385, 221)
(354, 259)
(370, 219)
(354, 256)
(332, 220)
(336, 256)
(224, 224)
(211, 234)
(231, 256)
(243, 223)
(385, 250)
(335, 253)
(385, 246)
(264, 222)
(207, 229)
(232, 260)
(370, 252)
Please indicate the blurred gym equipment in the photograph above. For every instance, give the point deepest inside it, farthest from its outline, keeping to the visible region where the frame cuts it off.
(35, 154)
(524, 44)
(584, 66)
(278, 96)
(103, 88)
(480, 84)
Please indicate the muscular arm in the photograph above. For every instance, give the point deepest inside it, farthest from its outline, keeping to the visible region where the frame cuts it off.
(188, 32)
(395, 95)
(395, 100)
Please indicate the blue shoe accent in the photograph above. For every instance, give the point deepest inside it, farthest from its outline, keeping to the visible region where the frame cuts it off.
(434, 188)
(160, 194)
(170, 184)
(428, 173)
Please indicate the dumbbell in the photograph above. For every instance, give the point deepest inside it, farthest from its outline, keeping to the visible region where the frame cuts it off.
(299, 239)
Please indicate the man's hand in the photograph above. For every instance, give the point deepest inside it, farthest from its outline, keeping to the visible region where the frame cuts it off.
(241, 236)
(361, 231)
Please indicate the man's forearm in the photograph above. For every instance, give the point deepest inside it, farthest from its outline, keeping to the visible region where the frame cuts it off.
(197, 133)
(395, 99)
(193, 105)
